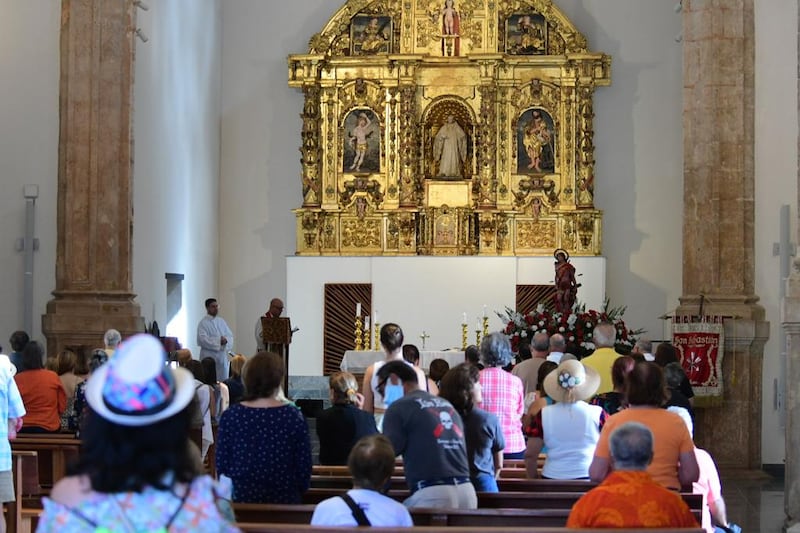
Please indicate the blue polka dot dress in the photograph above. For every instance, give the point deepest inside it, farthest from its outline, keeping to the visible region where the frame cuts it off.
(266, 452)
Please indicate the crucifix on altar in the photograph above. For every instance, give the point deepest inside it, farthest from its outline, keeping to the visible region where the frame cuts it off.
(424, 337)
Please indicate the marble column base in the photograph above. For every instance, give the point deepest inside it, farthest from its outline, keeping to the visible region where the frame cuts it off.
(75, 319)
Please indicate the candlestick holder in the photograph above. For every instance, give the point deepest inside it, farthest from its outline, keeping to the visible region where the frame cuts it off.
(464, 337)
(485, 326)
(477, 337)
(376, 337)
(359, 335)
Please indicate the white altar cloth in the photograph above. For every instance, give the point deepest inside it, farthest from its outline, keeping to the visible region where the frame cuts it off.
(357, 362)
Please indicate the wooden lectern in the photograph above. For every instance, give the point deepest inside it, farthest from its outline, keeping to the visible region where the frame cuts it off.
(277, 335)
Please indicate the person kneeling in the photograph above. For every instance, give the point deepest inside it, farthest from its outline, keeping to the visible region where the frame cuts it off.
(371, 463)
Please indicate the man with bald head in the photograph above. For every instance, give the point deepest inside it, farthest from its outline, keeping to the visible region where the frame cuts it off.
(557, 346)
(605, 336)
(274, 311)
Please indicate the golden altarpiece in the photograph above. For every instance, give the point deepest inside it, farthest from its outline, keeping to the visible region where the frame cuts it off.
(448, 127)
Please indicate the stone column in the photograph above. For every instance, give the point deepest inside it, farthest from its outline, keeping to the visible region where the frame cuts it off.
(790, 316)
(718, 227)
(95, 216)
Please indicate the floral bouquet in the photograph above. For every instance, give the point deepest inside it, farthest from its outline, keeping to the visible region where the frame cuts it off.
(577, 327)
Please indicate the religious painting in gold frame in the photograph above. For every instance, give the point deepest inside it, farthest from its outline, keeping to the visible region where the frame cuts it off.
(526, 34)
(536, 142)
(362, 145)
(370, 34)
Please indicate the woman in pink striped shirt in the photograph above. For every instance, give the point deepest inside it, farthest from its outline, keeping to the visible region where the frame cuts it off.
(503, 393)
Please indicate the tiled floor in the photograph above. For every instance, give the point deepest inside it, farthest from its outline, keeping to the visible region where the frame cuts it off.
(754, 501)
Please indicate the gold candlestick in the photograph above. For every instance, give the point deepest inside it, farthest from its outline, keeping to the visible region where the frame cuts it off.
(477, 337)
(376, 337)
(485, 326)
(359, 336)
(463, 336)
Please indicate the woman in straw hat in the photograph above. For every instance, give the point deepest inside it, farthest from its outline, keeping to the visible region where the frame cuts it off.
(135, 471)
(570, 427)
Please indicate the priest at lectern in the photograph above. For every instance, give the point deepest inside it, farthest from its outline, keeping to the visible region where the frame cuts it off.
(276, 335)
(275, 310)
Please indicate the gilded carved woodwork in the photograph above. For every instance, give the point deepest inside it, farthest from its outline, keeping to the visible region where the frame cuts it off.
(448, 127)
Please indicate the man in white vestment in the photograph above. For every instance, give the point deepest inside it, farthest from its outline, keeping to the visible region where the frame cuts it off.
(215, 338)
(450, 148)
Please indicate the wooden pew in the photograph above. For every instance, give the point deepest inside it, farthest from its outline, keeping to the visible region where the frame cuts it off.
(301, 514)
(509, 500)
(55, 451)
(303, 528)
(505, 485)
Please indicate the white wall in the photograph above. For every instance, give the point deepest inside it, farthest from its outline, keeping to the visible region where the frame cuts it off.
(422, 294)
(260, 162)
(176, 159)
(776, 184)
(29, 41)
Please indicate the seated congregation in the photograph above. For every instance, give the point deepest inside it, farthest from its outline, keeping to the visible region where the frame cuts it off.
(462, 445)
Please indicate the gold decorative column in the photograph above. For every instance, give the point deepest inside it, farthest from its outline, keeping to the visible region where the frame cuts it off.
(94, 291)
(718, 234)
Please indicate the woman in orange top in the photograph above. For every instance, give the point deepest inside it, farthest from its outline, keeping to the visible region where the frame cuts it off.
(41, 391)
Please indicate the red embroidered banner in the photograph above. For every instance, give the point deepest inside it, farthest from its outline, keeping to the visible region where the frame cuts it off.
(700, 348)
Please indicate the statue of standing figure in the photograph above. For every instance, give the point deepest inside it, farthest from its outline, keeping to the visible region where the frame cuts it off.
(566, 286)
(450, 148)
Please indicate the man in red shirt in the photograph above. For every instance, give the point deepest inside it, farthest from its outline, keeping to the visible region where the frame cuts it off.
(629, 497)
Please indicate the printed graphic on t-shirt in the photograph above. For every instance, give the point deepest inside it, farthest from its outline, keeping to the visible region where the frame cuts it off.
(448, 431)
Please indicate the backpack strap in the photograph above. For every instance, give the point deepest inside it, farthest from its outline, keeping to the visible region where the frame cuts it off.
(358, 512)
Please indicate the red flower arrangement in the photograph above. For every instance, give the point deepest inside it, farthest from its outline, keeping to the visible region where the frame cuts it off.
(577, 327)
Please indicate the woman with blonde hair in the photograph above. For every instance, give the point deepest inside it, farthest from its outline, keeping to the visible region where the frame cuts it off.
(234, 383)
(344, 423)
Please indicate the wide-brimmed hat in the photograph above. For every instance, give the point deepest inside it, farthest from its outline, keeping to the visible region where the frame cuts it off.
(571, 381)
(137, 387)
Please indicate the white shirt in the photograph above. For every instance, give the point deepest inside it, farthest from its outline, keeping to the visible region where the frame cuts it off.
(381, 510)
(649, 357)
(555, 357)
(209, 331)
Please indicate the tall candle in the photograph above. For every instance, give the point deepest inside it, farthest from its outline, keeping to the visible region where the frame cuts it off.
(366, 324)
(484, 311)
(358, 309)
(375, 317)
(463, 318)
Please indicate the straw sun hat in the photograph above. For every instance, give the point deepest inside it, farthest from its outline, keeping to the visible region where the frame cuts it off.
(571, 381)
(136, 387)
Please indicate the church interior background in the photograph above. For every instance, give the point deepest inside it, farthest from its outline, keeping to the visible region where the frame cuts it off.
(221, 195)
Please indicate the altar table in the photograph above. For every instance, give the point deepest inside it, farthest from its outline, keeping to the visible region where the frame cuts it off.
(357, 362)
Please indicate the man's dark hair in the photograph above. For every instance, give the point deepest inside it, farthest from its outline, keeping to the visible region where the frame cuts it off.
(411, 353)
(524, 351)
(210, 301)
(18, 340)
(263, 374)
(391, 336)
(472, 355)
(32, 355)
(401, 369)
(645, 385)
(119, 458)
(371, 462)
